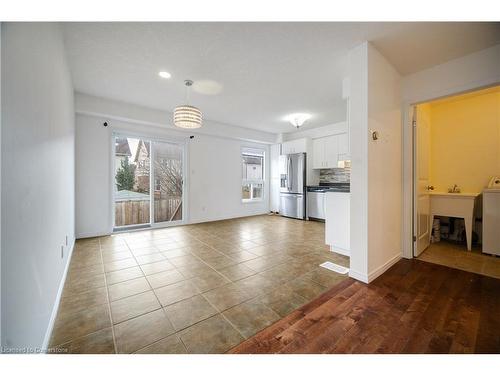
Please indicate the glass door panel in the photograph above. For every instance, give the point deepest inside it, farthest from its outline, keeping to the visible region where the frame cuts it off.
(168, 181)
(132, 182)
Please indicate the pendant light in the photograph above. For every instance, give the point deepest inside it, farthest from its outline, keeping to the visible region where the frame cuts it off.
(186, 116)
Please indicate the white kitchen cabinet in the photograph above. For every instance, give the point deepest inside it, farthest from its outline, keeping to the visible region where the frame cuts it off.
(294, 147)
(327, 151)
(318, 145)
(337, 222)
(332, 151)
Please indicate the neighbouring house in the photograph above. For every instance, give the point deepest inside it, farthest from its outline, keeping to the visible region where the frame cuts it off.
(122, 152)
(252, 173)
(252, 167)
(142, 167)
(168, 176)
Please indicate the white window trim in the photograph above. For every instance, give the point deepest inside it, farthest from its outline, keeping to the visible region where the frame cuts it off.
(251, 182)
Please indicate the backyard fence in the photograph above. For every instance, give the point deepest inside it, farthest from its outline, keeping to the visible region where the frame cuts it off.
(133, 212)
(169, 209)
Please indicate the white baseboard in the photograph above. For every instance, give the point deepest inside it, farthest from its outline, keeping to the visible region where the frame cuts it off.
(55, 308)
(340, 251)
(384, 267)
(227, 217)
(368, 278)
(92, 234)
(360, 276)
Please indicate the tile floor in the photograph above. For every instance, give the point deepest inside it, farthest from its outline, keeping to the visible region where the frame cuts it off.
(200, 288)
(456, 256)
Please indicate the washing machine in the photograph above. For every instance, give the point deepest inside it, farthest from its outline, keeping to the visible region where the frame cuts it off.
(491, 221)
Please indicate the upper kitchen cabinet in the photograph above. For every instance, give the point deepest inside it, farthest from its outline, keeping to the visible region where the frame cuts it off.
(328, 151)
(318, 146)
(332, 151)
(294, 147)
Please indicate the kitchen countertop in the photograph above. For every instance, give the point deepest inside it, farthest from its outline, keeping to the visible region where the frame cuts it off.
(332, 187)
(322, 189)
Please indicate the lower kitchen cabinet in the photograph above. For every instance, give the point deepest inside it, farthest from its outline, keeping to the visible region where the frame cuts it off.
(337, 222)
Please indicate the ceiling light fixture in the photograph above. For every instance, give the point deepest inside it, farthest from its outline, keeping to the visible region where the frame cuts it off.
(186, 116)
(165, 75)
(298, 119)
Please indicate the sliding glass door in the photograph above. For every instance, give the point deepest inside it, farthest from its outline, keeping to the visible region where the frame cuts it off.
(148, 182)
(168, 181)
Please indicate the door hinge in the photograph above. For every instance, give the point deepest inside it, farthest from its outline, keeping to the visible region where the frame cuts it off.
(414, 238)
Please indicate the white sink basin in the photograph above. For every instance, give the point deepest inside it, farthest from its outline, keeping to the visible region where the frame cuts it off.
(458, 195)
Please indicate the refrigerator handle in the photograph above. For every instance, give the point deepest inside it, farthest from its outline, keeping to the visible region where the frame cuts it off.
(288, 172)
(290, 175)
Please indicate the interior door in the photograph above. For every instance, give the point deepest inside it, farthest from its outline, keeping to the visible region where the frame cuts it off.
(422, 225)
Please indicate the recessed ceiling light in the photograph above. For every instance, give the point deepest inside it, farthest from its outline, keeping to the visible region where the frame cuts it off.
(298, 119)
(165, 75)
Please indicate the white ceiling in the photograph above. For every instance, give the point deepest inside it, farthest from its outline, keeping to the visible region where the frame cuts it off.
(266, 70)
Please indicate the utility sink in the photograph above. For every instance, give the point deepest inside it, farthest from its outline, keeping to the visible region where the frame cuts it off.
(454, 205)
(458, 195)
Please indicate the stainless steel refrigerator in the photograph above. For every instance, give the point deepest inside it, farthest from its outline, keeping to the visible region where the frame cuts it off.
(292, 186)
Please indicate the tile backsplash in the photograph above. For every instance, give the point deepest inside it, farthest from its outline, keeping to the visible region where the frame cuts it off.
(335, 175)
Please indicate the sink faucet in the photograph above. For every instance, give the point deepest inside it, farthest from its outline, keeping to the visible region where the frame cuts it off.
(454, 189)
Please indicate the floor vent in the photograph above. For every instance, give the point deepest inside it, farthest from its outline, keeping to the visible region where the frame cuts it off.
(335, 267)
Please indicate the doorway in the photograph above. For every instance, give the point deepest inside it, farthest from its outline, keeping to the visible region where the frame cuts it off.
(456, 155)
(148, 188)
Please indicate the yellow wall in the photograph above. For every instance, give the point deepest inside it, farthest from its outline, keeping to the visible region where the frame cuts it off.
(465, 141)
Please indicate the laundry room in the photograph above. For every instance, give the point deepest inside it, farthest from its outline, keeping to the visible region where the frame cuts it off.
(457, 181)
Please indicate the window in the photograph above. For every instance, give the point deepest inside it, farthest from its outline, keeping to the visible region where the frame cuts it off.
(252, 172)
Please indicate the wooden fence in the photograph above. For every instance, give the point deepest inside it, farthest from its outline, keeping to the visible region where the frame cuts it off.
(168, 209)
(134, 212)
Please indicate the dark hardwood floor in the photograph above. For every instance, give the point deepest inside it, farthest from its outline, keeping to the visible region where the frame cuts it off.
(415, 307)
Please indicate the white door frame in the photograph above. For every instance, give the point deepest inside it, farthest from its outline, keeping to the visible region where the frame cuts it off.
(409, 213)
(151, 225)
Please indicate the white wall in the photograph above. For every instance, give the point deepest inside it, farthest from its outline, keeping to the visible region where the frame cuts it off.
(93, 177)
(376, 165)
(215, 179)
(358, 114)
(463, 74)
(112, 109)
(0, 182)
(37, 179)
(214, 165)
(477, 70)
(384, 164)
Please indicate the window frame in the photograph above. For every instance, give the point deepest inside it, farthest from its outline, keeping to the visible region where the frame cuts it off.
(257, 152)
